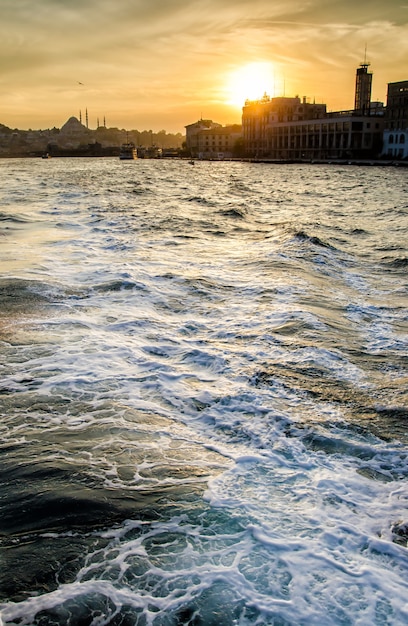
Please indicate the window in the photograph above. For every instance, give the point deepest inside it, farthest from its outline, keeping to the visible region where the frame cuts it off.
(402, 138)
(391, 139)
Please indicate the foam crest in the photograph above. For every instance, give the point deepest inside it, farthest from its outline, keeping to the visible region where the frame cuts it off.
(203, 395)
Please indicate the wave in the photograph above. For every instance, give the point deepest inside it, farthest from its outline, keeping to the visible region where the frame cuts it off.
(17, 293)
(17, 219)
(313, 239)
(398, 263)
(238, 212)
(194, 440)
(119, 285)
(202, 200)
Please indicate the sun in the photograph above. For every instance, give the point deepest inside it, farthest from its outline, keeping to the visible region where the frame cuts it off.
(250, 82)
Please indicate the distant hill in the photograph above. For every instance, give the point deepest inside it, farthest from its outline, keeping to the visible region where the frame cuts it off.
(75, 138)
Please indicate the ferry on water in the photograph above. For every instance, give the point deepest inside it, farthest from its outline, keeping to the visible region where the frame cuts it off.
(127, 151)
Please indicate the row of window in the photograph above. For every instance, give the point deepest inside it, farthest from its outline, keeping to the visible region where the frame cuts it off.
(397, 114)
(318, 127)
(396, 152)
(395, 101)
(401, 139)
(213, 142)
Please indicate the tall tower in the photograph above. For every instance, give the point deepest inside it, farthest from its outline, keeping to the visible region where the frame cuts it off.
(362, 99)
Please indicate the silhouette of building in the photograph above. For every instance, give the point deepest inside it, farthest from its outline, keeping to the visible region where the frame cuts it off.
(206, 139)
(396, 121)
(290, 129)
(219, 143)
(73, 133)
(269, 124)
(75, 139)
(192, 132)
(362, 99)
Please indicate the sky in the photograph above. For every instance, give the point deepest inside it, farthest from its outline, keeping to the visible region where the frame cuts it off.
(163, 64)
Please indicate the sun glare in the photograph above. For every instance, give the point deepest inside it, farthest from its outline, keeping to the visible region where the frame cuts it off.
(250, 82)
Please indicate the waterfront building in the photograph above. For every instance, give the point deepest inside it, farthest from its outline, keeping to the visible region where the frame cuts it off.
(267, 124)
(396, 121)
(340, 135)
(362, 96)
(193, 131)
(219, 142)
(290, 129)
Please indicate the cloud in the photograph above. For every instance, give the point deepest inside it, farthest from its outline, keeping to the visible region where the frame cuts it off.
(53, 32)
(164, 54)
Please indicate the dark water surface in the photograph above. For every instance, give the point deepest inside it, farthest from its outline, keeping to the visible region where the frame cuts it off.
(203, 394)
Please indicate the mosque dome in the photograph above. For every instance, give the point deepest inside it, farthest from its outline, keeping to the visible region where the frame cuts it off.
(73, 127)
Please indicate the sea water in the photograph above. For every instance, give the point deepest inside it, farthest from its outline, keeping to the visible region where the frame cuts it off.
(203, 393)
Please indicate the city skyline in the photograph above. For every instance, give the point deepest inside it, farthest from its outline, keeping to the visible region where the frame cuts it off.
(165, 64)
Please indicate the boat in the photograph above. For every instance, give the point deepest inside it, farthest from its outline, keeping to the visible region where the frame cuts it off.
(46, 155)
(127, 151)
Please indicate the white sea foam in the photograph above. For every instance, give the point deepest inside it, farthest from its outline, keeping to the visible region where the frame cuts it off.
(227, 351)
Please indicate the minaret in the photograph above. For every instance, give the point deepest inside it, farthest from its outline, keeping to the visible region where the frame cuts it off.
(364, 80)
(80, 116)
(104, 121)
(86, 117)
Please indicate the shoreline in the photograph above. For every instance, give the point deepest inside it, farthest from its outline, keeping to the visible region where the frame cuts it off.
(265, 160)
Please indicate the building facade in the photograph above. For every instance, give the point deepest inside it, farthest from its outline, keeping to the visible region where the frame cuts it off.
(290, 129)
(193, 131)
(396, 121)
(262, 118)
(338, 136)
(218, 143)
(206, 139)
(362, 98)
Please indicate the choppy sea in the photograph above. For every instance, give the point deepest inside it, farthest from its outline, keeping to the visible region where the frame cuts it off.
(203, 394)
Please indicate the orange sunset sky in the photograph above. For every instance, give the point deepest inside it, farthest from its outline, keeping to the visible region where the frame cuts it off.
(162, 64)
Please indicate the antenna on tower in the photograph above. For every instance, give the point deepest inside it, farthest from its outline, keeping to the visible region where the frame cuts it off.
(365, 63)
